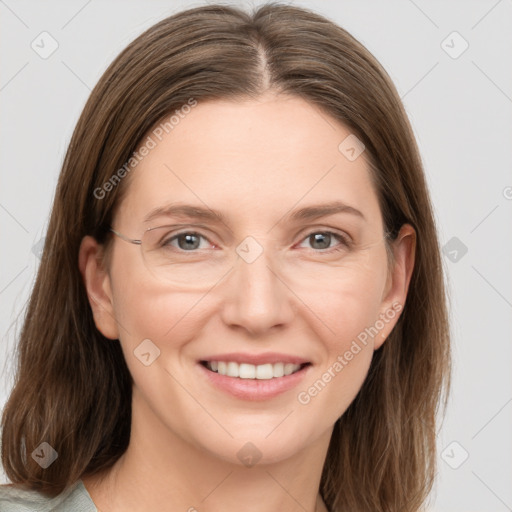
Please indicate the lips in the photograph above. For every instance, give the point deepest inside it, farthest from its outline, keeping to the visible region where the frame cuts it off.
(254, 376)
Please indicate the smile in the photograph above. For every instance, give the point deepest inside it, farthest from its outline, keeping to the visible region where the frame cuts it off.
(254, 376)
(251, 371)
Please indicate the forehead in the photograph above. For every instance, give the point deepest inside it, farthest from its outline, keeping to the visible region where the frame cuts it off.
(255, 158)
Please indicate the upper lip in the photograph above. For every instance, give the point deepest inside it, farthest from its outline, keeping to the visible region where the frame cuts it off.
(257, 359)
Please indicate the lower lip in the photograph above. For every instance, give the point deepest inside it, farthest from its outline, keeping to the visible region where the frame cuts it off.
(254, 389)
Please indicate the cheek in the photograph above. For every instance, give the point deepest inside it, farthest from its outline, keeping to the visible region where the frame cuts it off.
(351, 310)
(349, 307)
(347, 297)
(146, 311)
(347, 353)
(143, 307)
(332, 389)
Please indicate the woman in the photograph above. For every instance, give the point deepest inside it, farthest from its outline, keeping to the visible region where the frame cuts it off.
(188, 345)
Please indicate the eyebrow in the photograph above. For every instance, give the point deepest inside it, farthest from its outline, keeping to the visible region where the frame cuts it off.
(310, 212)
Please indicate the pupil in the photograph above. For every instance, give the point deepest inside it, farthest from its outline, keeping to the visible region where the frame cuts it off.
(318, 237)
(190, 243)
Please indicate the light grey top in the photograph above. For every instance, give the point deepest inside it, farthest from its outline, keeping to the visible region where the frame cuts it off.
(74, 499)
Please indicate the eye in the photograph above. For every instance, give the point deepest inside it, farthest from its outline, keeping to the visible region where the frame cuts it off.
(322, 240)
(186, 241)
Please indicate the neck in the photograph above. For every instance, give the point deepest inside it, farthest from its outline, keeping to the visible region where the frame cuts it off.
(162, 471)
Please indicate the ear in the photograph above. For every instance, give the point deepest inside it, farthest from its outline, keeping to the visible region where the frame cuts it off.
(97, 283)
(397, 285)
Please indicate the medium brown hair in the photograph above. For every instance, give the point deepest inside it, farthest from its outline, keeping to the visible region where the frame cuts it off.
(73, 388)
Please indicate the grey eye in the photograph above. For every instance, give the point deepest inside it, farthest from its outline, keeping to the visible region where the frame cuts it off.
(323, 240)
(186, 241)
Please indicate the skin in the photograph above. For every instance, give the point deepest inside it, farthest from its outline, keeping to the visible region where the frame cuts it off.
(255, 161)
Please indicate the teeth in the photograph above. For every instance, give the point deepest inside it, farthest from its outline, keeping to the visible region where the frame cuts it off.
(289, 368)
(265, 371)
(278, 369)
(232, 370)
(251, 371)
(246, 371)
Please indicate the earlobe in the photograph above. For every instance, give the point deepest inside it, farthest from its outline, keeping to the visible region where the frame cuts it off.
(97, 284)
(397, 286)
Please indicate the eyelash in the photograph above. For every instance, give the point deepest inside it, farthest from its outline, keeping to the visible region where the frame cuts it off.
(344, 245)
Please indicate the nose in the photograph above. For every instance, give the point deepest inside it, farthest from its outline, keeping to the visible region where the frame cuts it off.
(256, 297)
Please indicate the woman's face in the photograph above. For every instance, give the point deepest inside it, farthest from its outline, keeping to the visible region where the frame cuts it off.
(271, 283)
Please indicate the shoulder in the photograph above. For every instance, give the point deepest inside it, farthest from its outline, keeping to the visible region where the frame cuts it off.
(21, 499)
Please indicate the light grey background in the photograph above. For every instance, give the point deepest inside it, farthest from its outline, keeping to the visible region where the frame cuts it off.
(460, 109)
